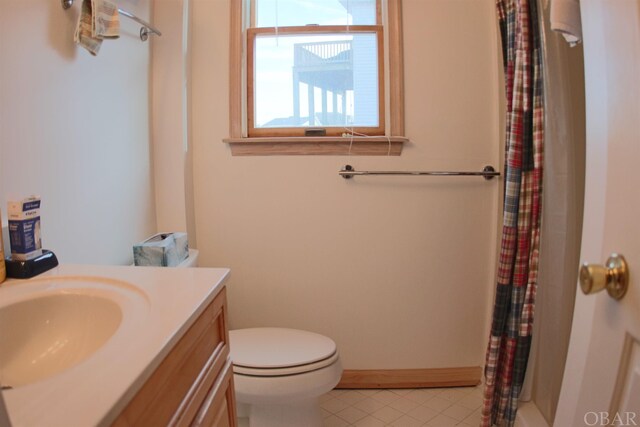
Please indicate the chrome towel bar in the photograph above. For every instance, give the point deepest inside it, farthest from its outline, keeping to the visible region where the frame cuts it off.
(348, 172)
(146, 27)
(144, 31)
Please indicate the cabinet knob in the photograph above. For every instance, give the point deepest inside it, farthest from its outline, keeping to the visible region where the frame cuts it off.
(614, 276)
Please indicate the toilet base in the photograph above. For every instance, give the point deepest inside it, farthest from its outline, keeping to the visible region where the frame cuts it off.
(305, 413)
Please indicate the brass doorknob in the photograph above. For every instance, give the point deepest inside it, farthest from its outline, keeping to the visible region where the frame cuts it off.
(614, 276)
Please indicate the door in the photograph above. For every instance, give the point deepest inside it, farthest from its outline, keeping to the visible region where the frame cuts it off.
(601, 384)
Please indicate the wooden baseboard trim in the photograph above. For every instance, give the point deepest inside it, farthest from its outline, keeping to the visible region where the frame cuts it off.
(411, 378)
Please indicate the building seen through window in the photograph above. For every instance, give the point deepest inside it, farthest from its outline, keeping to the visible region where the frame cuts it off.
(315, 63)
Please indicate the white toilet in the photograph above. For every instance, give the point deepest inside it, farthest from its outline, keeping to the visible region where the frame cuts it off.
(191, 261)
(279, 374)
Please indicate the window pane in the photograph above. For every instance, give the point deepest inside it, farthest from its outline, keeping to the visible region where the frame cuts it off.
(328, 80)
(291, 13)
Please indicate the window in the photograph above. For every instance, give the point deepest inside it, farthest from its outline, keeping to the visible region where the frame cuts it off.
(314, 70)
(315, 65)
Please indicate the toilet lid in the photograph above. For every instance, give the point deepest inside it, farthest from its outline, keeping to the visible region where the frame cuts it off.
(279, 351)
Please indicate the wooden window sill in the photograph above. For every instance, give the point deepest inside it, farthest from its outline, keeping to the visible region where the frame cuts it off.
(322, 145)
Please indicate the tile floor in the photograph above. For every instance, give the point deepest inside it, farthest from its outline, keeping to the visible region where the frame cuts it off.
(434, 407)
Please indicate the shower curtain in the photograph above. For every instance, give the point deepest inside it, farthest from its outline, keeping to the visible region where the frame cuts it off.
(510, 338)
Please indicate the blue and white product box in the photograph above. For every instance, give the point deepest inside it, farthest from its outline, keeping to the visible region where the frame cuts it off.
(24, 228)
(162, 250)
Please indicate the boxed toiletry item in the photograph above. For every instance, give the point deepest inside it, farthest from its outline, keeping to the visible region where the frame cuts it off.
(162, 250)
(24, 228)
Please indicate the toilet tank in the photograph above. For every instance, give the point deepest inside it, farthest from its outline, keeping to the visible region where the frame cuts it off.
(190, 261)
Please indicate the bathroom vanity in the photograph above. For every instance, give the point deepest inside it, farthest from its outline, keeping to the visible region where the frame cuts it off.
(132, 346)
(194, 384)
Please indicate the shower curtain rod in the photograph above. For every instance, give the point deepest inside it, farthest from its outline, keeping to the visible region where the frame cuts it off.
(348, 172)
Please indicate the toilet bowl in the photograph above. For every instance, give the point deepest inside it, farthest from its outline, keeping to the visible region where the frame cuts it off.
(279, 374)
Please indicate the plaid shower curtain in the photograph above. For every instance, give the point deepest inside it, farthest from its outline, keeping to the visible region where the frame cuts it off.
(510, 340)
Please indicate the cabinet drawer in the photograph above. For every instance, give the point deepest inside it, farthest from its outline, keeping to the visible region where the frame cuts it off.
(219, 408)
(177, 387)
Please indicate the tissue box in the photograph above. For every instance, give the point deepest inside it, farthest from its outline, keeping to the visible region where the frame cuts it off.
(162, 250)
(24, 228)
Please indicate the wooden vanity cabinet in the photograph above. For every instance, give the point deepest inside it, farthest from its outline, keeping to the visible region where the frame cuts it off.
(193, 385)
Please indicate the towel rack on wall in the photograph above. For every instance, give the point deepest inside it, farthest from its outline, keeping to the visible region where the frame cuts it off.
(144, 31)
(348, 172)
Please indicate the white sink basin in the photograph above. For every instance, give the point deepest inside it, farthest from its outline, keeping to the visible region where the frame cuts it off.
(54, 324)
(46, 335)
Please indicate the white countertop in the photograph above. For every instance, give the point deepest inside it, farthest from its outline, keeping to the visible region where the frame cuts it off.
(167, 302)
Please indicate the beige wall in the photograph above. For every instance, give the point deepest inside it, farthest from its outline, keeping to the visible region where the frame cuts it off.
(399, 271)
(75, 130)
(173, 175)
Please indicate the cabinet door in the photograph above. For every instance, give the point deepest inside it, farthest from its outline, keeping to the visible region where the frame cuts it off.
(222, 418)
(219, 407)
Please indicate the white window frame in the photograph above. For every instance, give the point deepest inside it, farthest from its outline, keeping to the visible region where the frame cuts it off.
(391, 94)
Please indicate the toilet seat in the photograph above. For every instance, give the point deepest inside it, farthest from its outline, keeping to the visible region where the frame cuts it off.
(272, 352)
(291, 370)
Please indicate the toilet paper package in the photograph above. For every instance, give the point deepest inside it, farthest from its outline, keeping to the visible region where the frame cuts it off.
(24, 228)
(162, 250)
